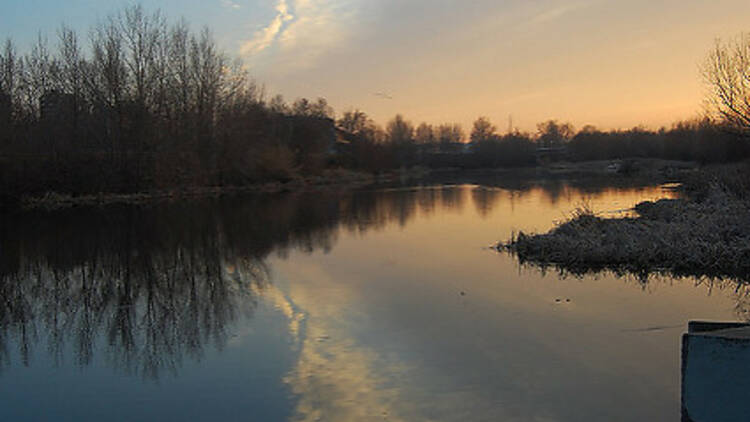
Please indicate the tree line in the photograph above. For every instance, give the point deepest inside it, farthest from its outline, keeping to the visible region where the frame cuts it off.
(144, 103)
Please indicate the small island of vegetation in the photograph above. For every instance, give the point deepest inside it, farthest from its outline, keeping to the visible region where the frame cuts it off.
(705, 233)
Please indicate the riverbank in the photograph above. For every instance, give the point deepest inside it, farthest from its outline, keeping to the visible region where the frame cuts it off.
(706, 233)
(333, 179)
(608, 171)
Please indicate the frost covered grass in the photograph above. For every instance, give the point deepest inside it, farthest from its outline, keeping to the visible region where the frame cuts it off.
(705, 234)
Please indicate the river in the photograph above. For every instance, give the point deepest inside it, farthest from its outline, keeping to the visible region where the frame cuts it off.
(380, 304)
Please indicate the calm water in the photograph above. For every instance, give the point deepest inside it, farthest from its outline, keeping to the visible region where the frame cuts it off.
(381, 305)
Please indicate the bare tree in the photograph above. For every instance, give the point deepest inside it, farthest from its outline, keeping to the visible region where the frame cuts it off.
(321, 109)
(11, 69)
(449, 133)
(553, 133)
(354, 121)
(71, 59)
(108, 78)
(483, 130)
(424, 134)
(278, 105)
(39, 75)
(400, 131)
(726, 72)
(208, 68)
(179, 65)
(141, 34)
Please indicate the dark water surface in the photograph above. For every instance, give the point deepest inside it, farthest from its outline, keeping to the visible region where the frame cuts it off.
(380, 305)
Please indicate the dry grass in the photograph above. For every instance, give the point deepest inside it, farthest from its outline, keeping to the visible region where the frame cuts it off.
(707, 234)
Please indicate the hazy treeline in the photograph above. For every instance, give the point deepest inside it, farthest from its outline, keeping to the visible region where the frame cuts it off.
(695, 140)
(402, 143)
(701, 140)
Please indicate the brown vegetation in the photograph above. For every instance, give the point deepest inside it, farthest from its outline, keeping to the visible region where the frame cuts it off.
(705, 234)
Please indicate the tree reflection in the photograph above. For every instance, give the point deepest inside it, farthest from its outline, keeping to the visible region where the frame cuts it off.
(738, 289)
(152, 285)
(148, 287)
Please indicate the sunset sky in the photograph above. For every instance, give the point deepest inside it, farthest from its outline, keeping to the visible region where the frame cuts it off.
(610, 63)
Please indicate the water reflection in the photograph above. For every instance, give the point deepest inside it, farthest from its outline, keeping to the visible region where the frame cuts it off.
(365, 291)
(736, 289)
(155, 286)
(160, 283)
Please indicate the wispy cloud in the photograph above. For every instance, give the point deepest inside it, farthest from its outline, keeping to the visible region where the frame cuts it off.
(303, 31)
(321, 26)
(383, 95)
(265, 37)
(554, 13)
(229, 4)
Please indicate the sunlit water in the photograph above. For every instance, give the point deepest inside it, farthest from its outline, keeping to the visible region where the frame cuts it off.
(383, 305)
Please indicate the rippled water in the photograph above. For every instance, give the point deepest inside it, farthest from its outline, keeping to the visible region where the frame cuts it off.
(374, 305)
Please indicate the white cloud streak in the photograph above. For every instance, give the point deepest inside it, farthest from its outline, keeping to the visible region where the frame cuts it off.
(229, 4)
(265, 37)
(555, 13)
(304, 31)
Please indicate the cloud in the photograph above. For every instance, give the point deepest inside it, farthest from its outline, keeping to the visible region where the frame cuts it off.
(555, 13)
(323, 25)
(302, 32)
(229, 4)
(265, 37)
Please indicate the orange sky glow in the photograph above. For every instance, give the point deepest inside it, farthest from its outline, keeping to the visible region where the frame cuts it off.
(609, 63)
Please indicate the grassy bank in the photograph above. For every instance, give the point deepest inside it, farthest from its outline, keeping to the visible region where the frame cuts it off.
(634, 171)
(328, 179)
(707, 233)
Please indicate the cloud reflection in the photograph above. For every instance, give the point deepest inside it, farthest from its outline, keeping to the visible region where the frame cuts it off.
(336, 378)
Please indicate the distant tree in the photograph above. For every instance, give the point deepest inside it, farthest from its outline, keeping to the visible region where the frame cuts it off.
(109, 73)
(589, 129)
(278, 105)
(400, 136)
(483, 130)
(301, 107)
(321, 109)
(552, 133)
(400, 131)
(11, 71)
(726, 72)
(354, 121)
(140, 34)
(424, 134)
(448, 135)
